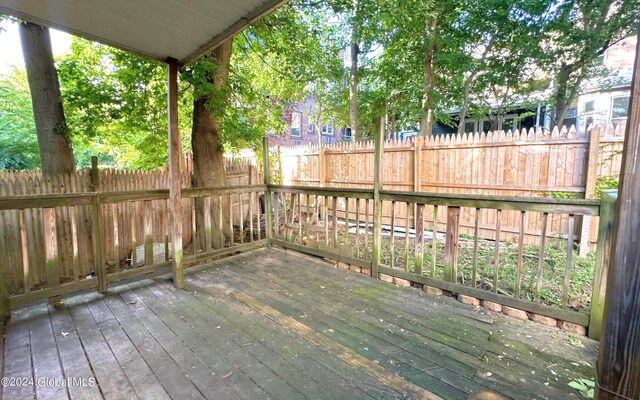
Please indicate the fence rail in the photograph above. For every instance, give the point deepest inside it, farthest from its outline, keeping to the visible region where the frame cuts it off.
(19, 285)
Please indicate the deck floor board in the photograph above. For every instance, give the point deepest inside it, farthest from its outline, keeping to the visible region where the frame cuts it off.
(457, 368)
(280, 325)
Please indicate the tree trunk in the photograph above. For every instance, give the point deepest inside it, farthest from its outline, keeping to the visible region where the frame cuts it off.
(465, 106)
(56, 151)
(394, 134)
(208, 151)
(353, 93)
(560, 98)
(426, 122)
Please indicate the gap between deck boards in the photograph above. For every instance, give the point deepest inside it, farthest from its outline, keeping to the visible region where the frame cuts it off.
(347, 355)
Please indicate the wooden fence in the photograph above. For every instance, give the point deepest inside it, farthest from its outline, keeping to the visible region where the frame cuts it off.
(73, 227)
(523, 163)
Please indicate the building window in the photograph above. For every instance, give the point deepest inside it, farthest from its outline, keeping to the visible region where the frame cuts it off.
(311, 128)
(619, 109)
(589, 106)
(297, 142)
(347, 134)
(296, 124)
(327, 130)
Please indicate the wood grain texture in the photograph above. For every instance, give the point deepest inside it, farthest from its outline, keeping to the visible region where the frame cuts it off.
(619, 357)
(174, 173)
(451, 244)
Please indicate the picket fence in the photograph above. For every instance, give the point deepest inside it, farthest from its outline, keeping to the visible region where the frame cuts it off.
(536, 163)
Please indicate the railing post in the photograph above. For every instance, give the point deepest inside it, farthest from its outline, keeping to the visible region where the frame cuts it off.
(97, 233)
(590, 186)
(451, 244)
(266, 171)
(175, 195)
(418, 251)
(603, 256)
(5, 308)
(618, 364)
(417, 175)
(377, 202)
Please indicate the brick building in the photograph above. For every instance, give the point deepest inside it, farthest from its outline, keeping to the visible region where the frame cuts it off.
(301, 128)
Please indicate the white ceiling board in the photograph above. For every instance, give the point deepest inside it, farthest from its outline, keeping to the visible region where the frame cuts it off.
(180, 29)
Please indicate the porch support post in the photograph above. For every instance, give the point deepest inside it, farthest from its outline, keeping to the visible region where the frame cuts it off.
(266, 173)
(377, 203)
(619, 356)
(174, 174)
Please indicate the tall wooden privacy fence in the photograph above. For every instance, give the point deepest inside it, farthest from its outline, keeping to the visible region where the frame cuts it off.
(537, 163)
(28, 235)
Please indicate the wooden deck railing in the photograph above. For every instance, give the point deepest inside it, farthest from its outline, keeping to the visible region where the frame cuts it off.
(338, 224)
(39, 271)
(417, 241)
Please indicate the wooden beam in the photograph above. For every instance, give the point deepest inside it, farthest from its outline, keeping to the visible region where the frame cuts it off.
(174, 174)
(266, 172)
(603, 258)
(552, 206)
(619, 356)
(97, 233)
(590, 186)
(349, 193)
(377, 201)
(451, 244)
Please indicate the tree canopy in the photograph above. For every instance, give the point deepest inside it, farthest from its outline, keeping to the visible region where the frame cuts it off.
(417, 60)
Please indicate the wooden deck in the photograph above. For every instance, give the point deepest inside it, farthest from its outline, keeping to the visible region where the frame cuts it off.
(275, 324)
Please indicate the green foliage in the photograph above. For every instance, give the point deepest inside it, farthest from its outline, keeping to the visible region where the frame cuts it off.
(563, 195)
(606, 183)
(115, 102)
(18, 140)
(116, 105)
(586, 387)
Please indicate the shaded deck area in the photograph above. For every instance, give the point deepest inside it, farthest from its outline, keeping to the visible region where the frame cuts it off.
(280, 325)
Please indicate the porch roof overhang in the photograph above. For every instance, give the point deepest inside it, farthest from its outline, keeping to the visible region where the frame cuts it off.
(183, 30)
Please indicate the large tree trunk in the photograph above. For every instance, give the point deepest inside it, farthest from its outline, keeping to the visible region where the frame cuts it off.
(465, 105)
(560, 98)
(56, 152)
(208, 152)
(568, 82)
(353, 93)
(426, 122)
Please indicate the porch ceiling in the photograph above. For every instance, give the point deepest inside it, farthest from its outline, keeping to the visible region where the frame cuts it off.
(160, 29)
